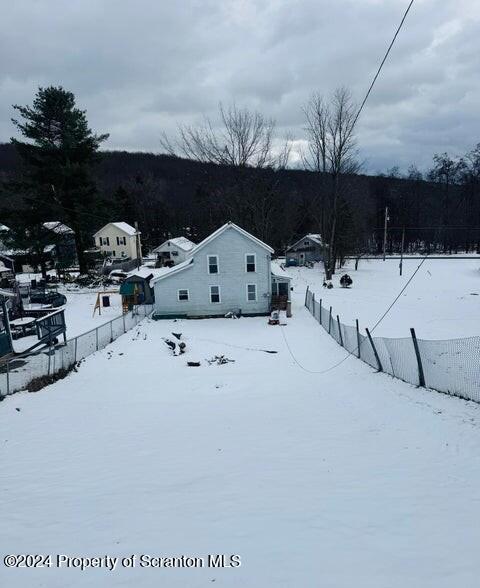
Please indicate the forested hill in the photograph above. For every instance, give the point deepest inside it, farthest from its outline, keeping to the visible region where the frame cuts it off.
(169, 195)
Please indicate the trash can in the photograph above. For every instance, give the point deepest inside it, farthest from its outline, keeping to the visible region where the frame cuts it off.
(105, 301)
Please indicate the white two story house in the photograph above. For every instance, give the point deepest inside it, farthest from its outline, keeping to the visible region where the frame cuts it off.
(229, 271)
(119, 241)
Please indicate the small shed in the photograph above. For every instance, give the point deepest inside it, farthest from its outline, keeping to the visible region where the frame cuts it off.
(136, 289)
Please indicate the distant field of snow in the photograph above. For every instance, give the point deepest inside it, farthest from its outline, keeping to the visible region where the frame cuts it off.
(346, 479)
(442, 301)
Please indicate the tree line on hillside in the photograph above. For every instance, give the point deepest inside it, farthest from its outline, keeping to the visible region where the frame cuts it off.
(210, 174)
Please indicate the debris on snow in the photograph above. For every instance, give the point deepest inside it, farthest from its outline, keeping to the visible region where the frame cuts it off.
(219, 360)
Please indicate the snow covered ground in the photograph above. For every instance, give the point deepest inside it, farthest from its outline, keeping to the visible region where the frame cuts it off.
(340, 479)
(79, 310)
(442, 301)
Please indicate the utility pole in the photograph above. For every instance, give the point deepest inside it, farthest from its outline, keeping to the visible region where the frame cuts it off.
(401, 251)
(137, 243)
(385, 233)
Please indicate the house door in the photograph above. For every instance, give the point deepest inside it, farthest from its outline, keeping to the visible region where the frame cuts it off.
(283, 289)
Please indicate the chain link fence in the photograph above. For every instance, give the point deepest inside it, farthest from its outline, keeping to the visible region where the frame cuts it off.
(451, 366)
(17, 372)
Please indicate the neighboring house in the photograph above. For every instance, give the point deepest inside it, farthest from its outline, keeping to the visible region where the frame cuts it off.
(119, 241)
(229, 271)
(63, 238)
(308, 249)
(173, 251)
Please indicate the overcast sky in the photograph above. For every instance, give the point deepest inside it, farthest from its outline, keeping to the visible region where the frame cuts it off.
(139, 67)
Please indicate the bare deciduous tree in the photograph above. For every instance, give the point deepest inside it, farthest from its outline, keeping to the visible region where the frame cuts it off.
(243, 140)
(332, 150)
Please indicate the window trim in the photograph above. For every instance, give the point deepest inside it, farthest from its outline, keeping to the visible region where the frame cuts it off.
(183, 290)
(219, 293)
(254, 262)
(208, 264)
(256, 292)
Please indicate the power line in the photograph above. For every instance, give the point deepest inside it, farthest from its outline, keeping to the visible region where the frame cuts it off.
(423, 260)
(350, 353)
(382, 62)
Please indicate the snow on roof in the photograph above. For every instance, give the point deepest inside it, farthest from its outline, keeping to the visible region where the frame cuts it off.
(180, 242)
(145, 271)
(315, 237)
(172, 270)
(222, 229)
(278, 271)
(7, 293)
(122, 226)
(126, 228)
(3, 228)
(58, 228)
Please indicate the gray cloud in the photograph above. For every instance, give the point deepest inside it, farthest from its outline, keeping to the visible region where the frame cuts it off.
(141, 67)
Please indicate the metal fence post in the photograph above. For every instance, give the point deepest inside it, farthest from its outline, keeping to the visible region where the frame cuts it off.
(124, 329)
(96, 339)
(380, 368)
(49, 358)
(306, 295)
(8, 377)
(421, 375)
(313, 304)
(340, 331)
(358, 338)
(111, 331)
(320, 313)
(330, 321)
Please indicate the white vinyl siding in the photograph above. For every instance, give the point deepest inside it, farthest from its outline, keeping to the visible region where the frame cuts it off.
(251, 292)
(215, 295)
(183, 295)
(212, 262)
(250, 263)
(231, 249)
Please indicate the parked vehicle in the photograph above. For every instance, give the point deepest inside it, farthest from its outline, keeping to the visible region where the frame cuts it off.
(117, 276)
(53, 299)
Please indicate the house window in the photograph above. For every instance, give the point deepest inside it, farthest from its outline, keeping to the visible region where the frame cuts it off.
(250, 262)
(212, 264)
(174, 253)
(252, 292)
(114, 253)
(121, 240)
(104, 241)
(214, 294)
(183, 295)
(306, 242)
